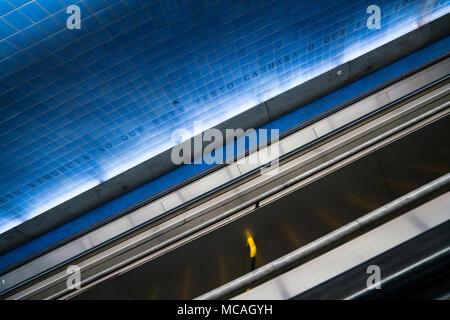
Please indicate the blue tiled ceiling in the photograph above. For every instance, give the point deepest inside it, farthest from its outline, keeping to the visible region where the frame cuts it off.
(78, 107)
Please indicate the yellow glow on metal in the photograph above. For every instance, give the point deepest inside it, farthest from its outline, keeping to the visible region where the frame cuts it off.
(251, 244)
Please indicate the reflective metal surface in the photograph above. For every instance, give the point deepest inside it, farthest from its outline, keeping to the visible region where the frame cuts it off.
(355, 252)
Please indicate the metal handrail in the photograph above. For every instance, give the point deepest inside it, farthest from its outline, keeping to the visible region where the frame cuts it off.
(327, 240)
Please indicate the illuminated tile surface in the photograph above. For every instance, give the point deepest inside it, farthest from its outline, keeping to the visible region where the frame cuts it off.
(78, 107)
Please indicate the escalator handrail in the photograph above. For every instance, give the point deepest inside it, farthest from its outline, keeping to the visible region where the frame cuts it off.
(347, 230)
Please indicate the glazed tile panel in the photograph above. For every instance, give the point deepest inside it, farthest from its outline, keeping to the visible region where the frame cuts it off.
(78, 107)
